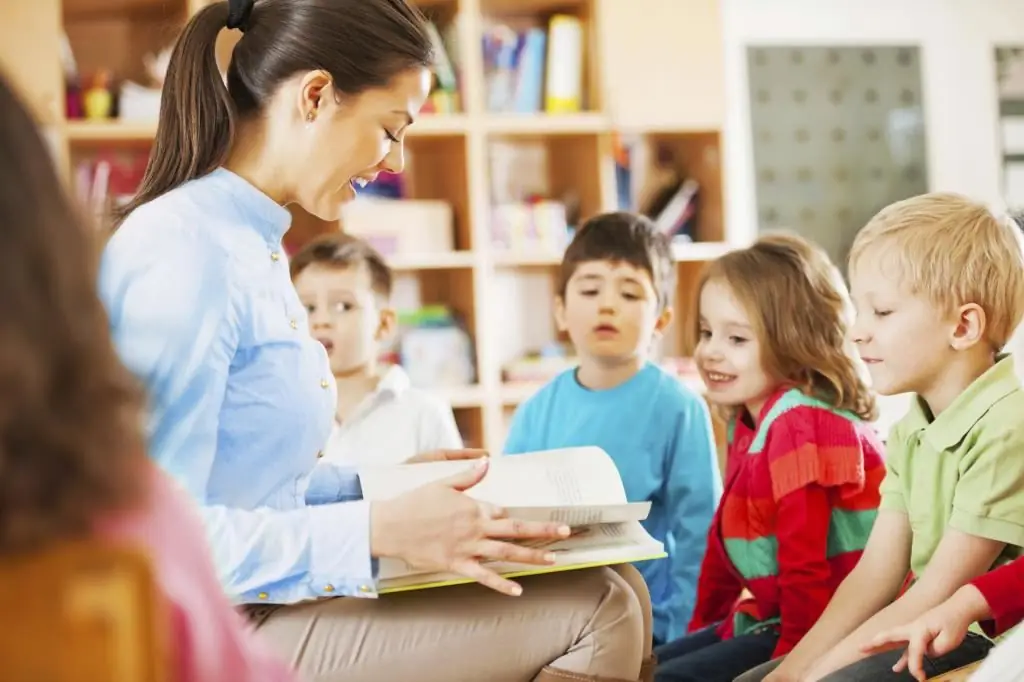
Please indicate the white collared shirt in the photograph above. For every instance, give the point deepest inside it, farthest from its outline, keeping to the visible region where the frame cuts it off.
(393, 424)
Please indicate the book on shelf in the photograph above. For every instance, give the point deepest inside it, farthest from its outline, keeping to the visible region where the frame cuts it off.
(532, 69)
(579, 487)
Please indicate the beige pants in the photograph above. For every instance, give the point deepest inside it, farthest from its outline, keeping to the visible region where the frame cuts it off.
(592, 624)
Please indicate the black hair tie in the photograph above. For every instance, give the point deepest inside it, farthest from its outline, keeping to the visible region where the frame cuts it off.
(239, 12)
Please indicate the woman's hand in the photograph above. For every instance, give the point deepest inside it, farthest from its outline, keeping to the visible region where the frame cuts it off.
(446, 455)
(439, 528)
(935, 633)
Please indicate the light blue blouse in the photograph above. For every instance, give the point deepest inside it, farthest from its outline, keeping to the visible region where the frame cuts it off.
(242, 399)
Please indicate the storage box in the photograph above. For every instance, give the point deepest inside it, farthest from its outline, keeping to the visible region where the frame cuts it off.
(401, 227)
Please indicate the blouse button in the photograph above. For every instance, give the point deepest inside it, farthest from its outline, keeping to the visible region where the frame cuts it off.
(324, 383)
(364, 588)
(293, 324)
(275, 256)
(263, 595)
(320, 454)
(328, 588)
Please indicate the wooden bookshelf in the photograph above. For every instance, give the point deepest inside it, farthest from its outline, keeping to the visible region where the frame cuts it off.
(652, 69)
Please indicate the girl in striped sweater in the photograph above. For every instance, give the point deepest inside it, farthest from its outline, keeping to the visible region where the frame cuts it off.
(804, 464)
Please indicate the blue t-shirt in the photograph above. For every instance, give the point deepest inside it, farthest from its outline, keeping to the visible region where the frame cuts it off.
(659, 434)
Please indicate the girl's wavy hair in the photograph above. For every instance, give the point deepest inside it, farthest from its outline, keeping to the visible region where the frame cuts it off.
(71, 430)
(801, 312)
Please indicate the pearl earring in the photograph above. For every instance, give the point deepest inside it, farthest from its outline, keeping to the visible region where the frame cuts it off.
(310, 116)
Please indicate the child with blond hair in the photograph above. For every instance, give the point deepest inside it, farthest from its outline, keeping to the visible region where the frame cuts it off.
(804, 464)
(938, 282)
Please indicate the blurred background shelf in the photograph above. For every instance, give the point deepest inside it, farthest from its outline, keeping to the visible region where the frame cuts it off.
(478, 159)
(109, 131)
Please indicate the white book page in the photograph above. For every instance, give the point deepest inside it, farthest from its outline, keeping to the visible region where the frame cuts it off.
(583, 516)
(1003, 663)
(570, 477)
(605, 535)
(589, 544)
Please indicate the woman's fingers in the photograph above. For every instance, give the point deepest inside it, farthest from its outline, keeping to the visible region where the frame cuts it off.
(472, 569)
(494, 550)
(518, 529)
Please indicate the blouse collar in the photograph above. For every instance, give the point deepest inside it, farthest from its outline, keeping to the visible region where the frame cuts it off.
(270, 218)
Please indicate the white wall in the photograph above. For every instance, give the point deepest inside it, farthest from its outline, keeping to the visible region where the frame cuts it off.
(957, 39)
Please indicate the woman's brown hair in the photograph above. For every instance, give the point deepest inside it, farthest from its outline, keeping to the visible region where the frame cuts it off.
(71, 441)
(801, 313)
(362, 44)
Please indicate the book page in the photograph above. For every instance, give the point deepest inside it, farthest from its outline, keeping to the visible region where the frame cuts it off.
(585, 515)
(1003, 663)
(570, 477)
(607, 535)
(590, 545)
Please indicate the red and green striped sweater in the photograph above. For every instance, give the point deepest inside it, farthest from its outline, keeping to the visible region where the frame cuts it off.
(800, 498)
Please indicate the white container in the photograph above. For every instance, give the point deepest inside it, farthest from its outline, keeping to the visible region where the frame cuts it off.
(401, 227)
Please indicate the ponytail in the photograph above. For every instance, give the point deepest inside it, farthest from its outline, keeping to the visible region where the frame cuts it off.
(197, 116)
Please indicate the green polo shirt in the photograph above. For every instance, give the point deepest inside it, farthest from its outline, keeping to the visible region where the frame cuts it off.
(964, 469)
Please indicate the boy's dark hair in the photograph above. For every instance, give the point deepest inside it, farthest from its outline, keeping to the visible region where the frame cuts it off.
(626, 238)
(344, 251)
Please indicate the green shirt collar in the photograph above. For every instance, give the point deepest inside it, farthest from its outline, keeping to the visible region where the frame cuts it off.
(950, 427)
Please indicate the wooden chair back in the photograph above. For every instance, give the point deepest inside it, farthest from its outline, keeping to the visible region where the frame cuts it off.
(82, 612)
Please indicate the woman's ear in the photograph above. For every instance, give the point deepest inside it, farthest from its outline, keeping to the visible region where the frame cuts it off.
(313, 88)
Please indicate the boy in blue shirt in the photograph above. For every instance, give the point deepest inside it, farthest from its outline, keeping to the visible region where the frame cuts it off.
(615, 285)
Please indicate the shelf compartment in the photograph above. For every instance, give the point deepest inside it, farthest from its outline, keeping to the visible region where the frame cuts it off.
(470, 421)
(435, 170)
(692, 155)
(567, 169)
(116, 35)
(501, 18)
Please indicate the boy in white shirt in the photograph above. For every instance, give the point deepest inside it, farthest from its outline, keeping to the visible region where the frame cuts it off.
(381, 419)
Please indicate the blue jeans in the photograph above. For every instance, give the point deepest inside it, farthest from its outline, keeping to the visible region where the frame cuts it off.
(703, 656)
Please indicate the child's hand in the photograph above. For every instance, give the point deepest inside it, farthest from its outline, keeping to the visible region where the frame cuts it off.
(935, 633)
(447, 455)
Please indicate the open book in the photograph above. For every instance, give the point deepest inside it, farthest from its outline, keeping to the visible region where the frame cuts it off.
(579, 487)
(1002, 664)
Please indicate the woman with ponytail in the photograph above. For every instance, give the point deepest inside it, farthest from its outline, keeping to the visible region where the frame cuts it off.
(318, 100)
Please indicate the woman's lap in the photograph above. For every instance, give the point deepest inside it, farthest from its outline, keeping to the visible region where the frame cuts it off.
(466, 632)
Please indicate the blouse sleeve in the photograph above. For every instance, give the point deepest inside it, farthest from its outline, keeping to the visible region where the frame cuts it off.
(170, 298)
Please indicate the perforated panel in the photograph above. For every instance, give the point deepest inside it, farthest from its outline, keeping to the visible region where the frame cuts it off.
(1010, 82)
(838, 132)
